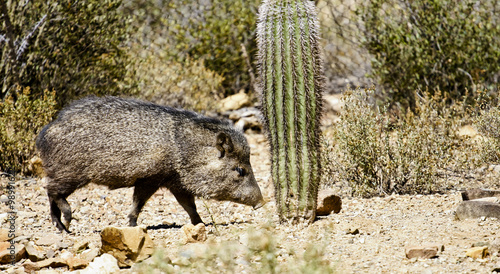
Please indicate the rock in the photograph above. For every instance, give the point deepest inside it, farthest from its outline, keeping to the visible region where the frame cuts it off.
(35, 166)
(194, 233)
(353, 231)
(52, 262)
(65, 255)
(422, 252)
(89, 254)
(246, 118)
(127, 244)
(495, 200)
(80, 246)
(328, 202)
(105, 264)
(480, 252)
(4, 235)
(49, 240)
(235, 101)
(75, 263)
(475, 209)
(35, 253)
(334, 101)
(21, 239)
(248, 123)
(30, 266)
(477, 193)
(50, 253)
(494, 246)
(467, 131)
(7, 257)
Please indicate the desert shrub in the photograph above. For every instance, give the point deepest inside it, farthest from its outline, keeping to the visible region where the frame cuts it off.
(187, 85)
(380, 153)
(75, 48)
(488, 125)
(212, 31)
(440, 44)
(20, 122)
(261, 255)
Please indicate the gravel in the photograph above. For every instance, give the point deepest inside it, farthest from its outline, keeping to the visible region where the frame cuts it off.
(385, 225)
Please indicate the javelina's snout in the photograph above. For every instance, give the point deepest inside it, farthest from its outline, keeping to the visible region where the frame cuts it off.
(259, 204)
(250, 194)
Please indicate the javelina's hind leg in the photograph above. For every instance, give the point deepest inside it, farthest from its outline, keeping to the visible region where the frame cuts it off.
(143, 190)
(58, 204)
(187, 202)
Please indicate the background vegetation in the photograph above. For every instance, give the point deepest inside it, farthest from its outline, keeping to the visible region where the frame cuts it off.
(443, 45)
(189, 54)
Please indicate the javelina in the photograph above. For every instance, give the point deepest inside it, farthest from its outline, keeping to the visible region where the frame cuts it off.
(125, 142)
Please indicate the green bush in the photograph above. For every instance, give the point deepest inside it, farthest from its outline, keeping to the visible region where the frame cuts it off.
(439, 44)
(73, 47)
(212, 31)
(20, 122)
(379, 153)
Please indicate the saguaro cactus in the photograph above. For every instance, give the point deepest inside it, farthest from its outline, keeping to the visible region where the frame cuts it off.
(291, 80)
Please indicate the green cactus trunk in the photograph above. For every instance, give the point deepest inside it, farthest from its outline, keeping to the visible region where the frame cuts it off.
(291, 80)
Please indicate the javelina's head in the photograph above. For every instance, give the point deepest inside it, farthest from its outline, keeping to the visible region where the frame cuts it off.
(226, 173)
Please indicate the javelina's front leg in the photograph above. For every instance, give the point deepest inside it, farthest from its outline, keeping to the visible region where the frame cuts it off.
(187, 202)
(143, 190)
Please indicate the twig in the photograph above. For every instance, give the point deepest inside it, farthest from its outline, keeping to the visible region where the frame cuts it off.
(250, 69)
(211, 217)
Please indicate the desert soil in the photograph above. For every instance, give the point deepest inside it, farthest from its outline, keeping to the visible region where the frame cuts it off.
(386, 225)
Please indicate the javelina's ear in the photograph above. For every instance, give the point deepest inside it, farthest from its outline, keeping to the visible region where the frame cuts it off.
(224, 143)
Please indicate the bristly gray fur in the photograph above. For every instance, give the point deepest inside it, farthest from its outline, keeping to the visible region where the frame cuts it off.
(126, 142)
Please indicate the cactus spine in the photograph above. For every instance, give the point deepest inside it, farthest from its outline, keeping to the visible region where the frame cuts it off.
(291, 80)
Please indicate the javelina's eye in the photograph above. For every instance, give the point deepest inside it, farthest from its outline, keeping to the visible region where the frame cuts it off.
(240, 170)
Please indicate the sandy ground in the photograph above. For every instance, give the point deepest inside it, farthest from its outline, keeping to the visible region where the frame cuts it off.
(386, 225)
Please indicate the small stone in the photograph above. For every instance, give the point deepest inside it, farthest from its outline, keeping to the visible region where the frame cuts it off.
(75, 263)
(236, 101)
(52, 262)
(328, 202)
(35, 253)
(475, 209)
(422, 252)
(4, 235)
(50, 253)
(467, 131)
(89, 254)
(105, 264)
(21, 239)
(127, 244)
(80, 246)
(194, 233)
(6, 256)
(30, 266)
(49, 240)
(480, 244)
(353, 231)
(65, 255)
(495, 245)
(480, 252)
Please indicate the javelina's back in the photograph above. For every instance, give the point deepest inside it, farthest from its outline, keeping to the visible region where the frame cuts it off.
(125, 142)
